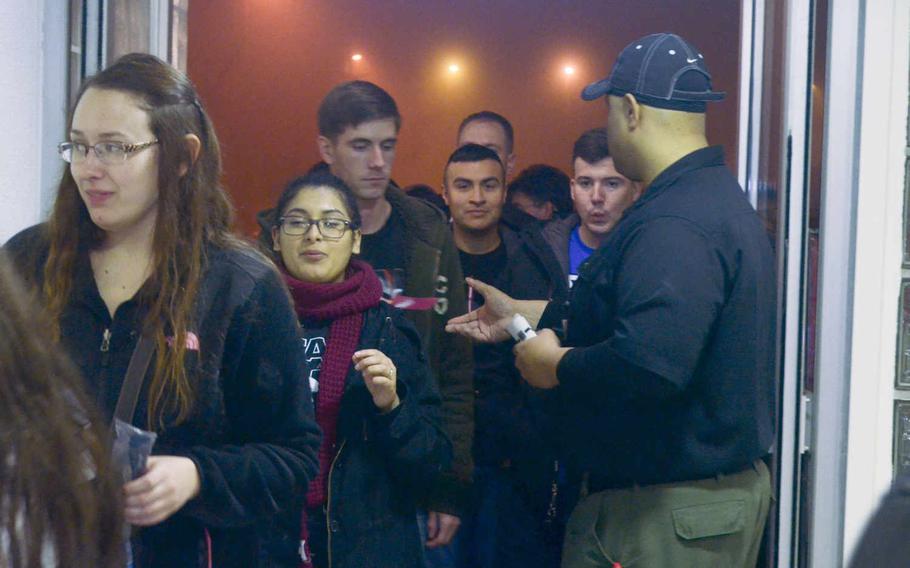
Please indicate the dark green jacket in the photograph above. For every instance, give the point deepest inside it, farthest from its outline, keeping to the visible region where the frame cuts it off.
(433, 269)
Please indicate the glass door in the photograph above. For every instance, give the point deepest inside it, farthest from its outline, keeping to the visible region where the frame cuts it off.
(781, 141)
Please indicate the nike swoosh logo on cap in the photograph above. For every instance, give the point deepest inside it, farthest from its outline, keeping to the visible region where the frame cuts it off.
(691, 60)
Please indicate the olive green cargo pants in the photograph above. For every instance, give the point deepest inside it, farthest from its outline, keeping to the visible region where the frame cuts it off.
(709, 523)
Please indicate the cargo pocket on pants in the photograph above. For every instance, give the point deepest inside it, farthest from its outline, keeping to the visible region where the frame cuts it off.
(712, 519)
(583, 545)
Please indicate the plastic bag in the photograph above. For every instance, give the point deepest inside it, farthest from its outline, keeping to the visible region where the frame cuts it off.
(132, 448)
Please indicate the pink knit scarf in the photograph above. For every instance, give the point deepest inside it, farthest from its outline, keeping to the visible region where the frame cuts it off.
(343, 304)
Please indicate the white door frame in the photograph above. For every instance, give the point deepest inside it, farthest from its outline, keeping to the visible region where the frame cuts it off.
(793, 155)
(883, 53)
(866, 99)
(836, 270)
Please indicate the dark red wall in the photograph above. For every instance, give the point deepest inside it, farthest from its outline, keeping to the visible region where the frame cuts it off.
(262, 66)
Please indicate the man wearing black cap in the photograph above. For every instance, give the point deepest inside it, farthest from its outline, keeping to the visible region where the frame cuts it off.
(665, 370)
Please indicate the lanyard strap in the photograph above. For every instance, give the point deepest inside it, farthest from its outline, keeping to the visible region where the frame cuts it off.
(132, 382)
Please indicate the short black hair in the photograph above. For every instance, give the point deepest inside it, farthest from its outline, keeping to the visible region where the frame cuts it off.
(591, 146)
(473, 153)
(319, 178)
(353, 103)
(490, 116)
(543, 183)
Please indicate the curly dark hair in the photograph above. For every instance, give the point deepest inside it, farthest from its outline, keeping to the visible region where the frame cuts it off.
(57, 491)
(544, 183)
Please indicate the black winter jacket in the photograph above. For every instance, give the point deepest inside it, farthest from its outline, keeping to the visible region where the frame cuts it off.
(385, 463)
(534, 270)
(511, 421)
(557, 234)
(251, 432)
(434, 270)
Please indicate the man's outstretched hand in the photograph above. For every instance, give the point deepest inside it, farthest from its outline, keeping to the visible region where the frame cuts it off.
(486, 324)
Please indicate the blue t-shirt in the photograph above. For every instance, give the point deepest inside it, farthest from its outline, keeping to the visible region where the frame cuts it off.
(578, 253)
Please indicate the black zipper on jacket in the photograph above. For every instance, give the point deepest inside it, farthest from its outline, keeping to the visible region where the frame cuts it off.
(386, 325)
(328, 505)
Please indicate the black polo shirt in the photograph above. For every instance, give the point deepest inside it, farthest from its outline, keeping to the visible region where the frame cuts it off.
(673, 324)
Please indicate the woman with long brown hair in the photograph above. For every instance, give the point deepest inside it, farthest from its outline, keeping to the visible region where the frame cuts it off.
(58, 497)
(138, 245)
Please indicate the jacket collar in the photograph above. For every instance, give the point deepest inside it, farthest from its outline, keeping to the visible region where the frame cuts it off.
(709, 156)
(422, 220)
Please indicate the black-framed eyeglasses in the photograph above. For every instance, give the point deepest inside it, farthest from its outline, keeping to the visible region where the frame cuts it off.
(110, 153)
(328, 228)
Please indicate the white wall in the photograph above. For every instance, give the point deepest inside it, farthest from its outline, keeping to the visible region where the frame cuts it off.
(879, 222)
(55, 55)
(20, 105)
(33, 51)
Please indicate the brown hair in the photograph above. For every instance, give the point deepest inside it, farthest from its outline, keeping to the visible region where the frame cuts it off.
(353, 103)
(57, 492)
(193, 212)
(591, 146)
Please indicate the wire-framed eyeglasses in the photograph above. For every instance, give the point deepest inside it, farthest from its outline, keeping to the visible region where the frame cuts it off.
(109, 153)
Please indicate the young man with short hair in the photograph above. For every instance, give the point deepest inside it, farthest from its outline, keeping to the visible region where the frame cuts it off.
(512, 456)
(600, 195)
(408, 243)
(493, 130)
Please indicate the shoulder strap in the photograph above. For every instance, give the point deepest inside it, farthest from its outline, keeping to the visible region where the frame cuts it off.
(132, 382)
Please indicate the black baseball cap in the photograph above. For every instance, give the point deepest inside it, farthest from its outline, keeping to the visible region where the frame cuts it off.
(661, 70)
